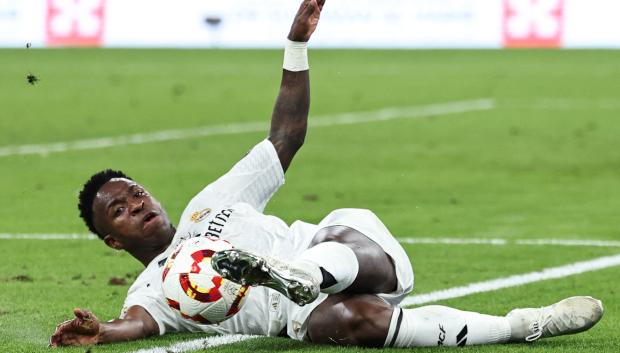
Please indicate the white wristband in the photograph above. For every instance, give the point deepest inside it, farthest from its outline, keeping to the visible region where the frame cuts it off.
(295, 56)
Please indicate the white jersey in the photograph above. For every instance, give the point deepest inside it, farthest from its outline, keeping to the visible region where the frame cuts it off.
(231, 208)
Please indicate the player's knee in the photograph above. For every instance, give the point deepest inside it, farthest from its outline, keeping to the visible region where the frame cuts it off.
(376, 269)
(339, 234)
(361, 320)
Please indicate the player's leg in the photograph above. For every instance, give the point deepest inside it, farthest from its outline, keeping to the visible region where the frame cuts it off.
(347, 261)
(349, 320)
(353, 252)
(366, 320)
(357, 254)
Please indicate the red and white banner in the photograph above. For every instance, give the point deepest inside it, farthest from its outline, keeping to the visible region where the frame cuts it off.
(75, 22)
(533, 23)
(344, 23)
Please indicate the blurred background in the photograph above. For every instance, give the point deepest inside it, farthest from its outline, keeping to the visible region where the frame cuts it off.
(347, 23)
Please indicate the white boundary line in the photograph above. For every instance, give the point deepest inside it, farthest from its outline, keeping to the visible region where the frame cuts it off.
(447, 241)
(420, 111)
(516, 280)
(202, 343)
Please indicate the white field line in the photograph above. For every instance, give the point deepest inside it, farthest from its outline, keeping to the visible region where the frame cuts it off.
(453, 241)
(194, 345)
(446, 241)
(502, 242)
(420, 111)
(562, 104)
(569, 242)
(37, 236)
(516, 280)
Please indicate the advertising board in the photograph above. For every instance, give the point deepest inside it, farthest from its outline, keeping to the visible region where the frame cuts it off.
(344, 24)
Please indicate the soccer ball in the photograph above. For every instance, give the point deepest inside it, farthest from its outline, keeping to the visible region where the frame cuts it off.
(193, 288)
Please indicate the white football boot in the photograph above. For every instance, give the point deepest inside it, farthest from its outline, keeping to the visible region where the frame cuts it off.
(571, 315)
(300, 285)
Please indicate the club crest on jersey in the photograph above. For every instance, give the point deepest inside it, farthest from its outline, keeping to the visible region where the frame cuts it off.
(200, 215)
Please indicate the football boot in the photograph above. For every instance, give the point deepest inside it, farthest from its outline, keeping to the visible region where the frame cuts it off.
(568, 316)
(246, 268)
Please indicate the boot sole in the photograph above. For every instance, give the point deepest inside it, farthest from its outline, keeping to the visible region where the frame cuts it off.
(248, 269)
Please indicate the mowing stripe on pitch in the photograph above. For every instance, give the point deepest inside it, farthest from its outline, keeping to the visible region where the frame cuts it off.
(516, 280)
(420, 111)
(194, 345)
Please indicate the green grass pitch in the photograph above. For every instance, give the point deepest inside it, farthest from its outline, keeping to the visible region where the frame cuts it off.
(544, 163)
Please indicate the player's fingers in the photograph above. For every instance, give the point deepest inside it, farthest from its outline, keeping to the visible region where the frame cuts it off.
(312, 6)
(61, 339)
(64, 323)
(68, 339)
(73, 339)
(302, 7)
(81, 314)
(321, 3)
(84, 318)
(76, 323)
(54, 340)
(62, 327)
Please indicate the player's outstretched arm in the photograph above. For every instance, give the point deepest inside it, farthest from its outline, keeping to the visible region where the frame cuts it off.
(86, 329)
(290, 115)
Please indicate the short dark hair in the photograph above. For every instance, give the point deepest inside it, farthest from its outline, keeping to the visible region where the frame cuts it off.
(89, 191)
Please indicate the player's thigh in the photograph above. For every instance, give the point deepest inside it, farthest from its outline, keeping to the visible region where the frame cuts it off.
(367, 223)
(341, 319)
(376, 271)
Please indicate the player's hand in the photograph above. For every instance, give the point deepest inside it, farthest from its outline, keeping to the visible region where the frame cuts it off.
(306, 20)
(82, 330)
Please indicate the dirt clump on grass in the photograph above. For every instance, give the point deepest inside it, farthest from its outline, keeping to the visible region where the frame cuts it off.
(117, 281)
(22, 278)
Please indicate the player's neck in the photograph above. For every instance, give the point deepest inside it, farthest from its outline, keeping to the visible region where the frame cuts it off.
(146, 254)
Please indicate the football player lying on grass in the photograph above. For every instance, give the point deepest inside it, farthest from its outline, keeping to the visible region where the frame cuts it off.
(338, 282)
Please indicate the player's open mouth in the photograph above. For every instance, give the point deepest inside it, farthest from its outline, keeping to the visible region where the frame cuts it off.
(149, 219)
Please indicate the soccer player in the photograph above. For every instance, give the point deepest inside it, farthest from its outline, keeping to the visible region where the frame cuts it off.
(338, 282)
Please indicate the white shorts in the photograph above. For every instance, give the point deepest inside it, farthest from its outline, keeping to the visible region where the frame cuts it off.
(367, 223)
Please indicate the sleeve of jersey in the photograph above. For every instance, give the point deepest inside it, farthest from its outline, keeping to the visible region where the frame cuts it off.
(158, 310)
(253, 180)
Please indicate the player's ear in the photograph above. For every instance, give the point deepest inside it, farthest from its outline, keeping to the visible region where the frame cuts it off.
(110, 241)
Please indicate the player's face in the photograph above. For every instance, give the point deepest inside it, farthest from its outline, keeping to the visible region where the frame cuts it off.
(124, 210)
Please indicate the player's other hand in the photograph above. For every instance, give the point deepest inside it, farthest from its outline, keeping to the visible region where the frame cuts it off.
(82, 330)
(306, 20)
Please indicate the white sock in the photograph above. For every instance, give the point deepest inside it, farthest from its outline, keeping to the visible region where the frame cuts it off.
(337, 259)
(436, 325)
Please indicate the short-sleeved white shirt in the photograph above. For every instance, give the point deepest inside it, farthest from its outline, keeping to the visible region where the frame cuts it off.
(231, 208)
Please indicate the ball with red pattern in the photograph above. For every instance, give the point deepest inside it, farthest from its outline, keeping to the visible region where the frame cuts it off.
(193, 288)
